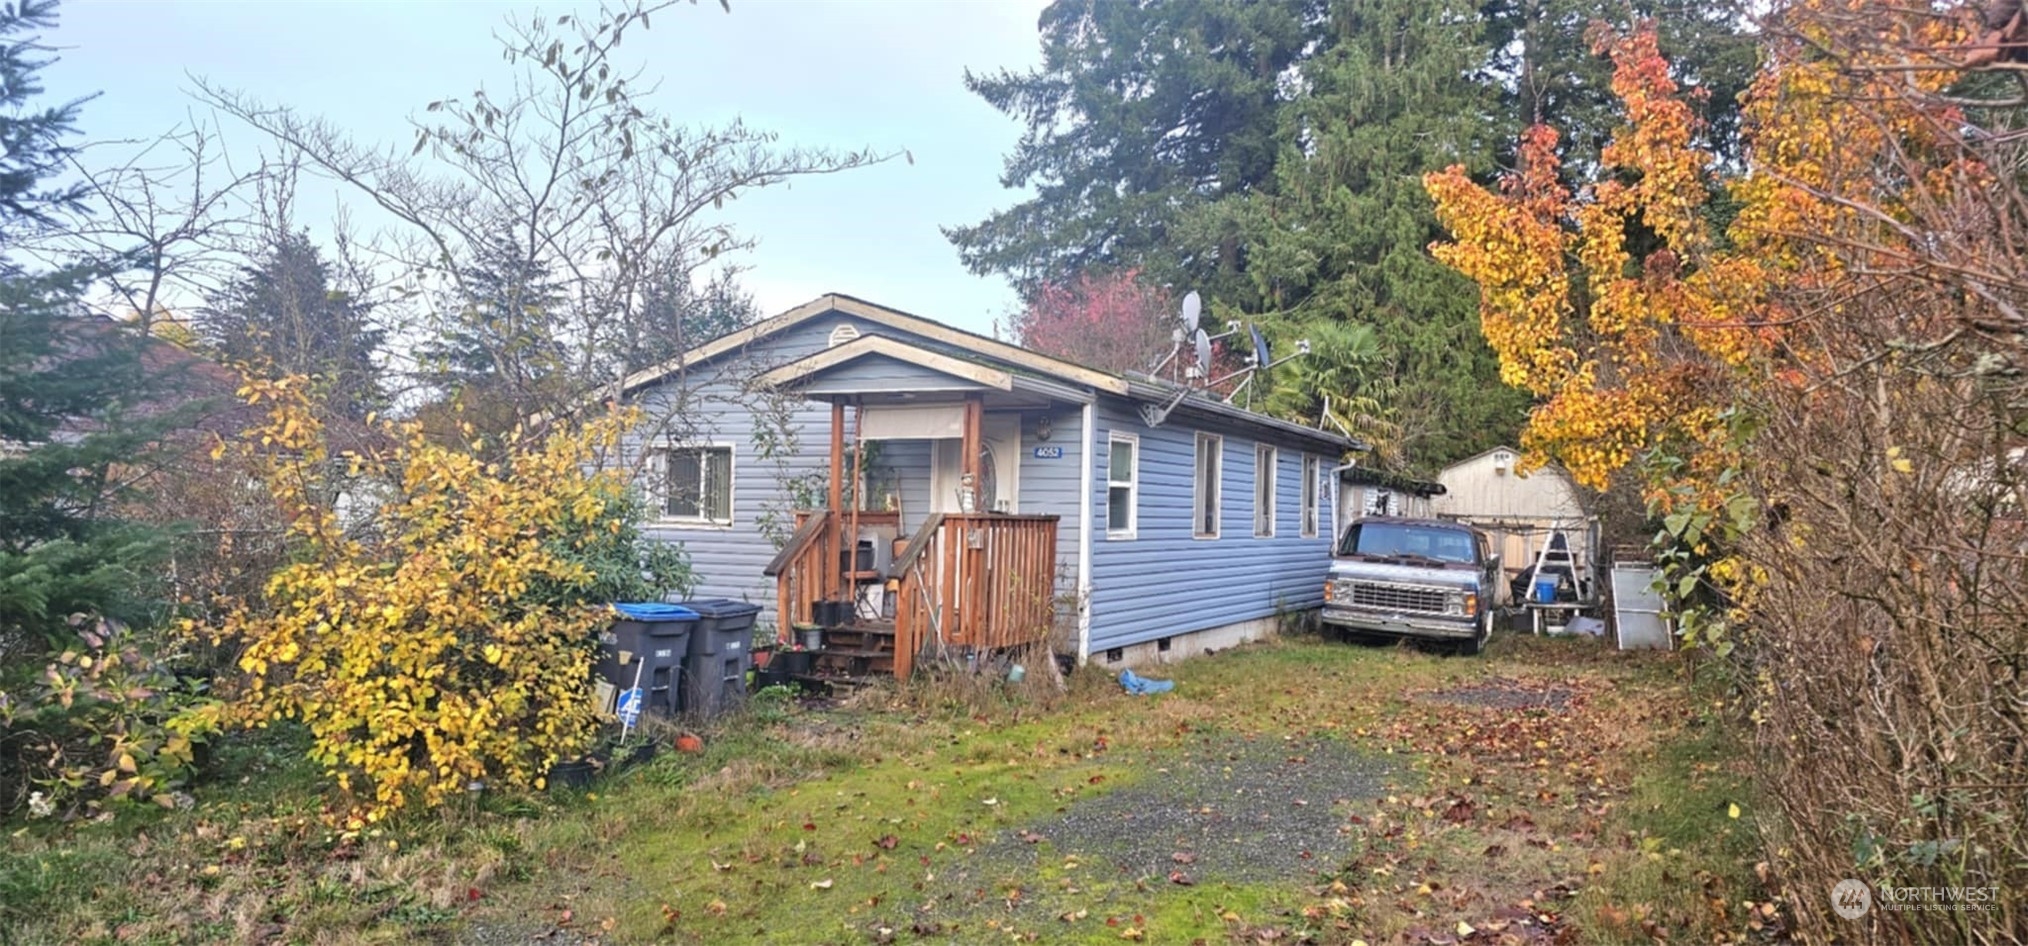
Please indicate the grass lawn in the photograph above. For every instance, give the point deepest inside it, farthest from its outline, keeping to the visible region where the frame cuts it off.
(1310, 790)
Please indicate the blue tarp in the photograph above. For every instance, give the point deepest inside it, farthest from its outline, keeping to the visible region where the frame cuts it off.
(1142, 686)
(654, 611)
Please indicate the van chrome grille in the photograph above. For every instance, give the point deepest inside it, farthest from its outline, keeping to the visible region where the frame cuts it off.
(1387, 596)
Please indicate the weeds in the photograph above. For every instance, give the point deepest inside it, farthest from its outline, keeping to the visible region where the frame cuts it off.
(801, 824)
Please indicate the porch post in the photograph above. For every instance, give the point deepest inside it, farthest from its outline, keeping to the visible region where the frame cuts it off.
(829, 569)
(965, 604)
(974, 418)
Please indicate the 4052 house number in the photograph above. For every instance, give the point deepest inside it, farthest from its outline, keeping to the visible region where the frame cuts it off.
(1048, 453)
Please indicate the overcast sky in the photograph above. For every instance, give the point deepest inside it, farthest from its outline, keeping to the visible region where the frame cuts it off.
(881, 73)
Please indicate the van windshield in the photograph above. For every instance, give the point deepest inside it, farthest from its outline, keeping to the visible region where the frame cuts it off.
(1398, 539)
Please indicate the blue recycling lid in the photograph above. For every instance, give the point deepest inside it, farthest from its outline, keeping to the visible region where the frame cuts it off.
(652, 611)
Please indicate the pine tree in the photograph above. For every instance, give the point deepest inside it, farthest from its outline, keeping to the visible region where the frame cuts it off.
(1543, 65)
(1141, 113)
(1344, 237)
(676, 316)
(282, 316)
(68, 385)
(500, 353)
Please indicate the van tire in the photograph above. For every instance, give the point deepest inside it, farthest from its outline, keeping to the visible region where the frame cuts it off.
(1481, 632)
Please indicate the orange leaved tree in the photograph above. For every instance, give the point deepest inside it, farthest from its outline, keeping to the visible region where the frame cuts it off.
(1826, 399)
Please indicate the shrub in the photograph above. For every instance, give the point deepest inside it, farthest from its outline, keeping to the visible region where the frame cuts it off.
(454, 644)
(110, 719)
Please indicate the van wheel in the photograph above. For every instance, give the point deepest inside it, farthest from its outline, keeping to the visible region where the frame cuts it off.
(1480, 634)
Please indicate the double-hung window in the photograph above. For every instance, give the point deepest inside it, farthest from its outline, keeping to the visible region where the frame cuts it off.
(1123, 478)
(1264, 491)
(696, 484)
(1210, 466)
(1312, 490)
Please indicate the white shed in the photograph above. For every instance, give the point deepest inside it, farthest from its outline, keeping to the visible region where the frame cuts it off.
(1518, 510)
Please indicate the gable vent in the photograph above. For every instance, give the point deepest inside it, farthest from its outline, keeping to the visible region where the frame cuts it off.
(845, 332)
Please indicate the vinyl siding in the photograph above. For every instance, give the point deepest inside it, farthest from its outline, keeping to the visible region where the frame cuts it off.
(1167, 582)
(1163, 583)
(1049, 487)
(711, 405)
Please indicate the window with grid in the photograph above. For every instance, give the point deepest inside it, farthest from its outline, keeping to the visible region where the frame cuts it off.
(697, 484)
(1123, 477)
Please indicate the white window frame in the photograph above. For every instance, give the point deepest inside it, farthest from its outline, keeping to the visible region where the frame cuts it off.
(1312, 491)
(1267, 463)
(659, 464)
(1215, 486)
(1132, 485)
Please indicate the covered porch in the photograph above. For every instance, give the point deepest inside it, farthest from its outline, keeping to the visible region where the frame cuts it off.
(924, 548)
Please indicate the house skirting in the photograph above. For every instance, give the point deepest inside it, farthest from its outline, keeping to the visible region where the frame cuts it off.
(1192, 644)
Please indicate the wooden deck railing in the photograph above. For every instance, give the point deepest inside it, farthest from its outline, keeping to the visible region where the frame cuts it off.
(975, 581)
(809, 567)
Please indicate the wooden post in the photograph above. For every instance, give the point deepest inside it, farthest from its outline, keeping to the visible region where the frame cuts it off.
(973, 441)
(964, 604)
(858, 500)
(829, 567)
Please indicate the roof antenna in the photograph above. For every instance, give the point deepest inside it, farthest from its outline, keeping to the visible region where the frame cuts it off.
(1258, 363)
(1193, 308)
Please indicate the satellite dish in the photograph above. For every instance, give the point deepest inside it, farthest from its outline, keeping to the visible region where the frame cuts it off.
(1261, 358)
(1203, 343)
(1193, 306)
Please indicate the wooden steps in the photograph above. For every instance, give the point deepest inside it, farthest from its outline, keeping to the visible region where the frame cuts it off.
(857, 650)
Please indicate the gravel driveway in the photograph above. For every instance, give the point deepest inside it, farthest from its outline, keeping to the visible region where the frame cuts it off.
(1242, 812)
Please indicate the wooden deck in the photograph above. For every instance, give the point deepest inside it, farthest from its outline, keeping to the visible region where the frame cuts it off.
(964, 582)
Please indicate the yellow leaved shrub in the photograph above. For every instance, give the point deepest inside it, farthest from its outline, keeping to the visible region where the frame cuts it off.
(438, 623)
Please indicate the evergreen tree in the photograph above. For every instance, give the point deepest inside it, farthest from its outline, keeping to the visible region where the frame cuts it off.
(500, 338)
(1542, 63)
(68, 385)
(676, 316)
(1142, 113)
(281, 315)
(1344, 237)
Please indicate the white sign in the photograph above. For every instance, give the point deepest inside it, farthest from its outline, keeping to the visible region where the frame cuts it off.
(630, 706)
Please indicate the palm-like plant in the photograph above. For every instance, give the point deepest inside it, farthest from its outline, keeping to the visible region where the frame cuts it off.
(1331, 387)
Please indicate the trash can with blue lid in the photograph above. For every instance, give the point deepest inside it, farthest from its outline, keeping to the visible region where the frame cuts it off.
(654, 638)
(720, 655)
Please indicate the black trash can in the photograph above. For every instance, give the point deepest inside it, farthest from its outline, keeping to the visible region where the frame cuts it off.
(720, 655)
(655, 638)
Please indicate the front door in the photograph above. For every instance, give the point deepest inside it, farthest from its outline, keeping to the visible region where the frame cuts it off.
(999, 468)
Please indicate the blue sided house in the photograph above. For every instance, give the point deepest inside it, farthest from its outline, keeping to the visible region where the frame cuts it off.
(907, 490)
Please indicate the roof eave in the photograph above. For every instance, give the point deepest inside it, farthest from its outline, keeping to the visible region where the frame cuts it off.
(1207, 407)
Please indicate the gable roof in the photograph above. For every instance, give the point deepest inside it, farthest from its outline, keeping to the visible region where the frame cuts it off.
(1149, 391)
(867, 346)
(879, 314)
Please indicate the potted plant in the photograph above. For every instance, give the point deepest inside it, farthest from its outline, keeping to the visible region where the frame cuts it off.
(795, 658)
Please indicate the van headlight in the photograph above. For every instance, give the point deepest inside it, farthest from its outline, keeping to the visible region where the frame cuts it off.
(1454, 603)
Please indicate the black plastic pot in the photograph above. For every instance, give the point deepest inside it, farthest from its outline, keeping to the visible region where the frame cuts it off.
(577, 774)
(794, 661)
